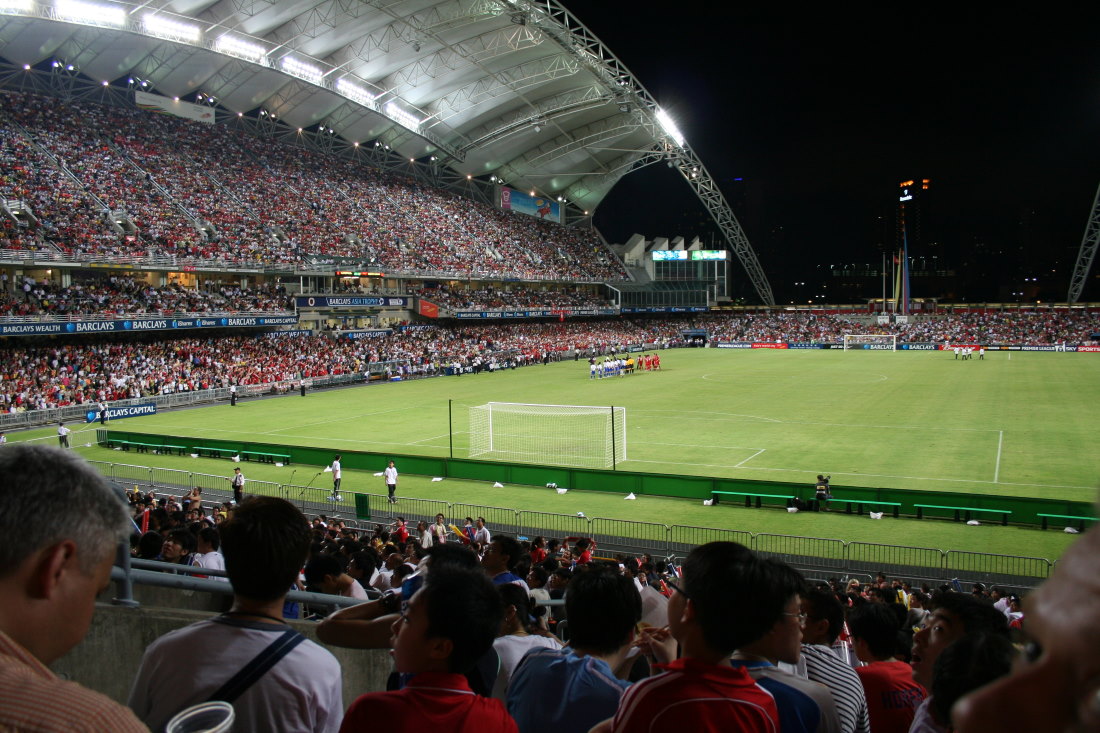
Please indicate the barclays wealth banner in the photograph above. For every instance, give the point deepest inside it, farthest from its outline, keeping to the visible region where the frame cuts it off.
(117, 413)
(142, 324)
(351, 301)
(542, 313)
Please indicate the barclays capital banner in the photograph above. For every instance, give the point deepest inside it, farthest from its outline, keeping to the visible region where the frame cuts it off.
(351, 301)
(369, 334)
(117, 413)
(142, 324)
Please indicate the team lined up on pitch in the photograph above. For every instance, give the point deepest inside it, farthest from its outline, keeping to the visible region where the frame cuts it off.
(614, 366)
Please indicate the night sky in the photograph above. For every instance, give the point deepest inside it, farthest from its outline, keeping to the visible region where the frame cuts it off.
(821, 121)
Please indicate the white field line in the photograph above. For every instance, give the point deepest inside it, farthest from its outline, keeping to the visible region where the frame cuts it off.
(690, 415)
(754, 455)
(426, 440)
(1000, 444)
(335, 420)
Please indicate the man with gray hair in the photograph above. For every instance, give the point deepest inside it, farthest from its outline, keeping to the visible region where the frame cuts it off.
(59, 526)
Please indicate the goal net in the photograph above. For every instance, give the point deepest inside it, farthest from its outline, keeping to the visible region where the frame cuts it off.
(570, 435)
(878, 341)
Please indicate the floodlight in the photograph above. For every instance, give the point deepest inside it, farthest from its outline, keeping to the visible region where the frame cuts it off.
(355, 93)
(670, 127)
(158, 25)
(240, 48)
(301, 69)
(91, 13)
(406, 119)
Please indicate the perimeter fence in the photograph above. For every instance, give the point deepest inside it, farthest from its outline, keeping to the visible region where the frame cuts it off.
(815, 556)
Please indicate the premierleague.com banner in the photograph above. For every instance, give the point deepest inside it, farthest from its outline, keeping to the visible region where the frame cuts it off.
(117, 413)
(142, 324)
(350, 301)
(537, 313)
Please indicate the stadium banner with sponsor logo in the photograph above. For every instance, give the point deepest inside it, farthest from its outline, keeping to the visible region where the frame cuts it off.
(143, 324)
(666, 309)
(871, 347)
(368, 334)
(186, 110)
(804, 345)
(733, 345)
(416, 327)
(351, 301)
(541, 313)
(920, 347)
(427, 308)
(769, 346)
(117, 413)
(295, 332)
(539, 207)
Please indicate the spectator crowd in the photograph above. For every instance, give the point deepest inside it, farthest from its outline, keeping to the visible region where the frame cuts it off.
(57, 375)
(729, 639)
(104, 182)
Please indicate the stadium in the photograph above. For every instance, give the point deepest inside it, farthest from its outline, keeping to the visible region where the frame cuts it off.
(261, 235)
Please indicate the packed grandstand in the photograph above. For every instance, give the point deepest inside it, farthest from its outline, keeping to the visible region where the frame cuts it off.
(92, 182)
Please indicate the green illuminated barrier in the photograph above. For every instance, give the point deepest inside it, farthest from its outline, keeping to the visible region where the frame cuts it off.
(1025, 510)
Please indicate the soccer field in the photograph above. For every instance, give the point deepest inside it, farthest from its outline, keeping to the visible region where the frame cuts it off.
(1018, 424)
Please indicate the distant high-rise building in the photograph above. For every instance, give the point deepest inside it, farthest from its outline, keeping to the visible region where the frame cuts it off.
(913, 218)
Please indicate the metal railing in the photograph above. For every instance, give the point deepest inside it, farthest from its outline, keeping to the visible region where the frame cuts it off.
(813, 555)
(128, 572)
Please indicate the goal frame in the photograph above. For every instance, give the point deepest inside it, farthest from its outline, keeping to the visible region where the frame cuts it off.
(520, 440)
(853, 341)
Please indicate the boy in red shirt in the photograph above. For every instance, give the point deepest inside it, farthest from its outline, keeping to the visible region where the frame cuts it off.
(712, 613)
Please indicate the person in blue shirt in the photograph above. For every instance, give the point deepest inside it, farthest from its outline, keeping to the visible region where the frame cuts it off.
(575, 687)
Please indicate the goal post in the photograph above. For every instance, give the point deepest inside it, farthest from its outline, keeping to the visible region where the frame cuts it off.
(571, 435)
(876, 341)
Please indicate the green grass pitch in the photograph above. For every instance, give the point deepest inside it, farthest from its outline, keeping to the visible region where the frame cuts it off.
(1019, 424)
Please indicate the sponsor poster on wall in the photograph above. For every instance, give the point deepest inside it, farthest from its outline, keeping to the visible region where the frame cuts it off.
(539, 207)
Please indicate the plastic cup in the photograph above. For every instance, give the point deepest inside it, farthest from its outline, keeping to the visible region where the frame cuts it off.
(206, 717)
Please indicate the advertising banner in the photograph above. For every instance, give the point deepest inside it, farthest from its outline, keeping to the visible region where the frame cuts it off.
(375, 333)
(426, 308)
(919, 347)
(542, 313)
(769, 346)
(186, 110)
(539, 207)
(143, 324)
(666, 309)
(351, 301)
(117, 413)
(733, 345)
(805, 345)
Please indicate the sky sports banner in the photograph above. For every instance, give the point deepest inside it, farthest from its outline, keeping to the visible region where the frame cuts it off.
(537, 313)
(117, 413)
(539, 207)
(351, 301)
(142, 324)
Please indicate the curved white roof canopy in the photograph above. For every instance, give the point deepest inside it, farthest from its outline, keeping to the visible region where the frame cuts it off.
(514, 89)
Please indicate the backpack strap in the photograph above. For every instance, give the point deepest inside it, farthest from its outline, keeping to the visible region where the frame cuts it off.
(251, 673)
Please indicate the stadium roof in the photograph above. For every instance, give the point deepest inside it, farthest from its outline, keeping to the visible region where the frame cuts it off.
(513, 89)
